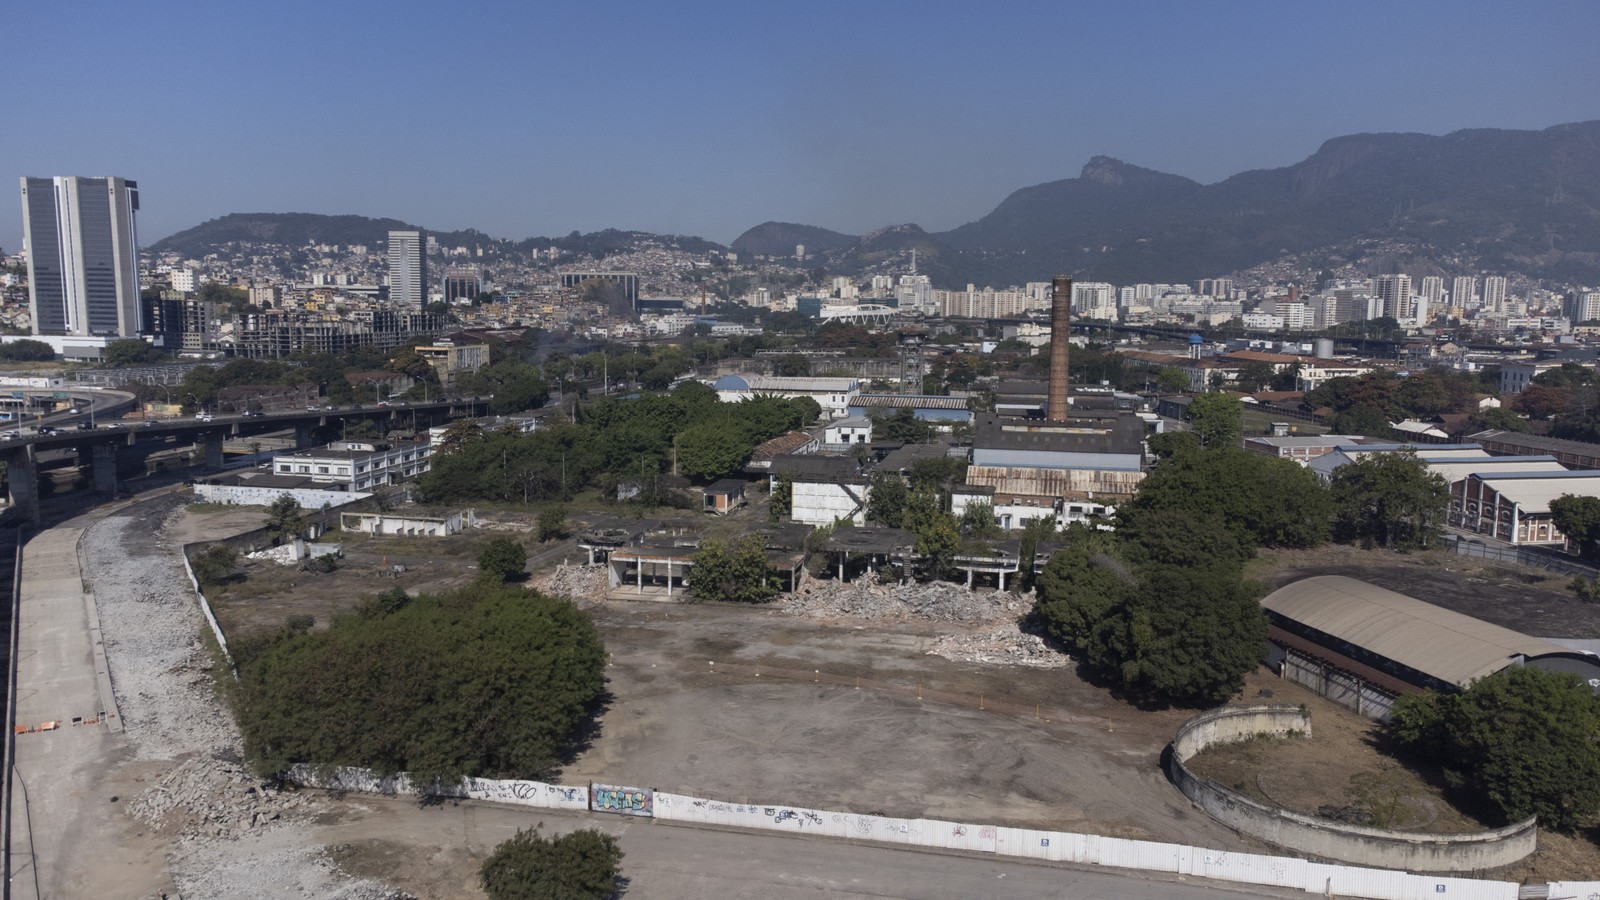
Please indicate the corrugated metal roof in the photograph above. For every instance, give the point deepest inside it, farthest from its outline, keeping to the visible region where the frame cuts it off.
(1533, 491)
(1453, 470)
(909, 401)
(1430, 639)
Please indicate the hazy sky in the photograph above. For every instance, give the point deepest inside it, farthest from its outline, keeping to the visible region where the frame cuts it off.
(525, 119)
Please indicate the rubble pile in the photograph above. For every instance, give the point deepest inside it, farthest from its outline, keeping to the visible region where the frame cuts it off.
(207, 798)
(574, 582)
(1008, 646)
(868, 598)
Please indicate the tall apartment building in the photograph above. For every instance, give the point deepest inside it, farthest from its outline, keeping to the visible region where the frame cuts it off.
(83, 255)
(1494, 293)
(1432, 290)
(408, 269)
(1464, 291)
(1395, 292)
(1582, 306)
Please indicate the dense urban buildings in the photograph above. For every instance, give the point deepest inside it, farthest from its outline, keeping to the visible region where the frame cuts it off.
(83, 255)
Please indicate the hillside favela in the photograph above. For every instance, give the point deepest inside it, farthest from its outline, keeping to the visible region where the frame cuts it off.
(996, 518)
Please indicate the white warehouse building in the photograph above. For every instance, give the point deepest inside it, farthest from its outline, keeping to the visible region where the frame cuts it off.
(357, 465)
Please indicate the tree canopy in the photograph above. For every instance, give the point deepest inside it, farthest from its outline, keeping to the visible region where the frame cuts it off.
(1579, 519)
(732, 572)
(1389, 499)
(1524, 740)
(1216, 419)
(493, 682)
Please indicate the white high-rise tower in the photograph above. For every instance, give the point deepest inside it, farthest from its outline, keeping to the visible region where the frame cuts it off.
(408, 269)
(83, 255)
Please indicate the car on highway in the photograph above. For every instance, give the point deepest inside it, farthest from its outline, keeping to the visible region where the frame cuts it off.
(252, 413)
(10, 435)
(203, 417)
(47, 429)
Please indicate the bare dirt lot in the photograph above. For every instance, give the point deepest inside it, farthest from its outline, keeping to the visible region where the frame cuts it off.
(713, 701)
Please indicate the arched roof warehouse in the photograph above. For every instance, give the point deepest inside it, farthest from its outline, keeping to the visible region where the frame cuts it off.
(1406, 637)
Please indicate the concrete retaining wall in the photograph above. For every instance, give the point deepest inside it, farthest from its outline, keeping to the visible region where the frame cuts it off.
(1412, 851)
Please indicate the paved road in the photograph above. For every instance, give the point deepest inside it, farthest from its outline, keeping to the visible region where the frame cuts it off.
(64, 827)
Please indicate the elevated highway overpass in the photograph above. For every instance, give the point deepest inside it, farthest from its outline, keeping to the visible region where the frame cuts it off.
(101, 448)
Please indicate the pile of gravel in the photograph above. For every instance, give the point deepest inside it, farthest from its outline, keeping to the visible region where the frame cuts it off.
(275, 863)
(867, 598)
(150, 622)
(203, 798)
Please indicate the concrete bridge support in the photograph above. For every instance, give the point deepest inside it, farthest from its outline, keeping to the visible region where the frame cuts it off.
(304, 436)
(23, 475)
(105, 468)
(213, 444)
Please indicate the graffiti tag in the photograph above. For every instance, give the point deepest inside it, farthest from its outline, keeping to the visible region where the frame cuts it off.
(627, 801)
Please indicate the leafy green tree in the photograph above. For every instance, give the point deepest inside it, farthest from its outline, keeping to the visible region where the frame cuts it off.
(1495, 418)
(1254, 376)
(579, 865)
(491, 681)
(1362, 419)
(1579, 519)
(552, 522)
(502, 559)
(782, 502)
(285, 520)
(29, 350)
(977, 521)
(1081, 584)
(903, 426)
(708, 451)
(938, 536)
(1390, 499)
(1216, 419)
(732, 573)
(887, 498)
(130, 352)
(213, 565)
(1264, 501)
(1523, 739)
(1188, 636)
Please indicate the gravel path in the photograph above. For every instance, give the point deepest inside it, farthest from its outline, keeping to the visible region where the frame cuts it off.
(233, 838)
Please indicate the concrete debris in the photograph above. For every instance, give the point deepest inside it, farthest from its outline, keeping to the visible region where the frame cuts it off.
(223, 817)
(1008, 646)
(211, 799)
(297, 550)
(578, 583)
(868, 598)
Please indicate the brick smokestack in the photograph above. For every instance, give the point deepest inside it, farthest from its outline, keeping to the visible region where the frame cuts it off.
(1060, 328)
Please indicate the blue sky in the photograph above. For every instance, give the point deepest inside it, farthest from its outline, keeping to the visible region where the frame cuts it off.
(526, 119)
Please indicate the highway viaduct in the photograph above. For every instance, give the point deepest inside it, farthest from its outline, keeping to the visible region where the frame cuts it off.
(116, 446)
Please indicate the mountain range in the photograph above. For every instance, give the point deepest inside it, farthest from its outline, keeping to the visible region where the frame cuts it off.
(1480, 199)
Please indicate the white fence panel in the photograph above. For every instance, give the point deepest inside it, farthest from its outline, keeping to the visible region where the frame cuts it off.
(1381, 884)
(1032, 844)
(1581, 890)
(1248, 868)
(1128, 854)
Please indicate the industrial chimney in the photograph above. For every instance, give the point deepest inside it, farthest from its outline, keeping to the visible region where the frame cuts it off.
(1060, 329)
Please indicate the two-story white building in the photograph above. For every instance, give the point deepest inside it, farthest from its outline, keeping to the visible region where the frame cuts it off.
(834, 395)
(357, 465)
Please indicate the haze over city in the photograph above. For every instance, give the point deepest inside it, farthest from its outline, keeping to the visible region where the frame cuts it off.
(706, 119)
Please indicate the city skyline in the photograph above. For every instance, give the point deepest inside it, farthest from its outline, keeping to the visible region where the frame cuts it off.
(712, 118)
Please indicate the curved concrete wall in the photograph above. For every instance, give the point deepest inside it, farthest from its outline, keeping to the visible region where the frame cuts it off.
(1414, 851)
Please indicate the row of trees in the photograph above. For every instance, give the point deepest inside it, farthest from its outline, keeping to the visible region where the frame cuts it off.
(613, 440)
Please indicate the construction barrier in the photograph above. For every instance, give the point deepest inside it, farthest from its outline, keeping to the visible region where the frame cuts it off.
(1022, 843)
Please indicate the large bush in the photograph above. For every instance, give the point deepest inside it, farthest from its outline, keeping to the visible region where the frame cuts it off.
(485, 681)
(580, 865)
(1525, 740)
